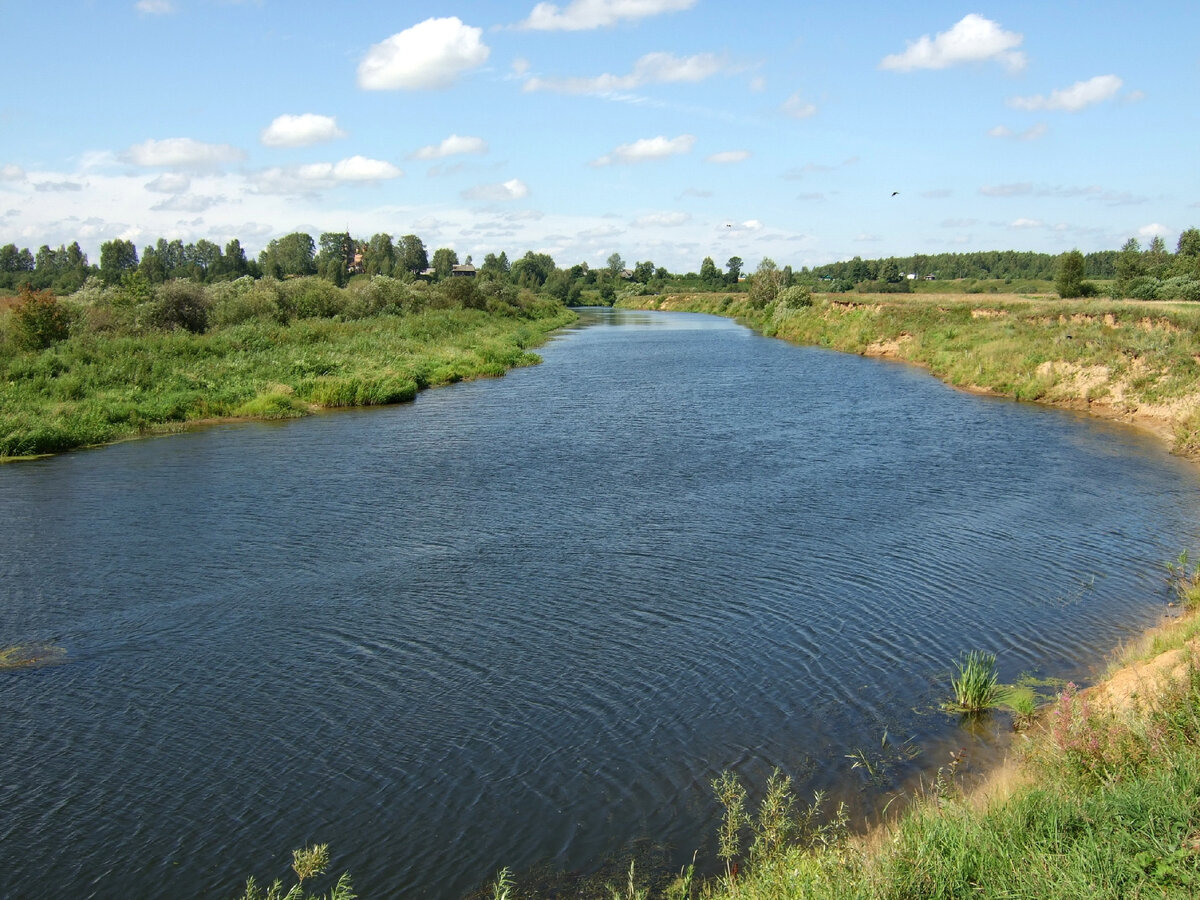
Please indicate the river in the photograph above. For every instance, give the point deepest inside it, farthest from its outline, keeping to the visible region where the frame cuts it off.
(527, 620)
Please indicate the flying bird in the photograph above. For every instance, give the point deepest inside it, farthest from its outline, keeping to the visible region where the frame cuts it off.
(894, 193)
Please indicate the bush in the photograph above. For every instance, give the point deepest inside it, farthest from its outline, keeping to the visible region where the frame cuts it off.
(180, 304)
(795, 297)
(1143, 288)
(40, 320)
(312, 298)
(1179, 288)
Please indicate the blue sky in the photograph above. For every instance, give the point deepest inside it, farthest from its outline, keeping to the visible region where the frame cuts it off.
(667, 130)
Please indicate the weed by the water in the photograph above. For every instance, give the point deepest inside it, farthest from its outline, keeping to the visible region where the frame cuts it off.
(975, 685)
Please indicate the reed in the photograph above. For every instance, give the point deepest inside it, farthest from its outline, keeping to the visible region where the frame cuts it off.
(976, 684)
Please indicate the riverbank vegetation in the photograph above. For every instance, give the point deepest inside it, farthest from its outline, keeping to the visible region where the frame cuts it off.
(113, 362)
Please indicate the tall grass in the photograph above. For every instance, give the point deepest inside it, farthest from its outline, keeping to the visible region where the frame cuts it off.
(103, 385)
(975, 685)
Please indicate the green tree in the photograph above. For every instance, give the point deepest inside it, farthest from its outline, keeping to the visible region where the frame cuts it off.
(234, 260)
(643, 272)
(1129, 265)
(1069, 282)
(291, 255)
(444, 259)
(615, 265)
(709, 273)
(116, 258)
(734, 265)
(532, 270)
(152, 267)
(495, 268)
(379, 258)
(764, 287)
(411, 255)
(336, 257)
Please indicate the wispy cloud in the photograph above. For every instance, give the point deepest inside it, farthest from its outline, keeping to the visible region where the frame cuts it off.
(798, 108)
(182, 153)
(648, 149)
(583, 15)
(432, 54)
(663, 220)
(1029, 134)
(452, 146)
(653, 68)
(1080, 95)
(155, 7)
(301, 131)
(513, 189)
(726, 157)
(973, 39)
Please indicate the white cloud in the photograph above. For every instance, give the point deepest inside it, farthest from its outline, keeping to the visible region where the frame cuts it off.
(301, 130)
(972, 39)
(431, 54)
(1026, 223)
(182, 153)
(513, 189)
(1029, 134)
(648, 148)
(1154, 230)
(192, 203)
(313, 177)
(729, 156)
(796, 107)
(452, 146)
(169, 183)
(663, 220)
(581, 15)
(1078, 96)
(1018, 189)
(653, 68)
(11, 173)
(155, 7)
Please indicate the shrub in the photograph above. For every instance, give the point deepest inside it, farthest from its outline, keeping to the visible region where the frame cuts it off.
(40, 320)
(1143, 288)
(180, 304)
(795, 297)
(245, 300)
(313, 298)
(1180, 288)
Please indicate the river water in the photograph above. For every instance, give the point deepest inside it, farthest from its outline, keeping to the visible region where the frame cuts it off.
(527, 620)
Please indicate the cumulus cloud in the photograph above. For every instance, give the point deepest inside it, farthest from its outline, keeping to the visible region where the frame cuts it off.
(582, 15)
(729, 156)
(798, 108)
(513, 189)
(181, 153)
(432, 54)
(972, 39)
(1080, 95)
(662, 220)
(452, 146)
(191, 203)
(1154, 230)
(653, 68)
(1026, 223)
(11, 172)
(648, 148)
(301, 131)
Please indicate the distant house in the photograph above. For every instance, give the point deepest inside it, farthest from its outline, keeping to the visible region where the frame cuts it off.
(466, 270)
(911, 276)
(627, 274)
(931, 278)
(427, 274)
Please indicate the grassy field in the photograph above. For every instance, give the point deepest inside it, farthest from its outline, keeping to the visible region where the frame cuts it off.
(98, 387)
(1130, 360)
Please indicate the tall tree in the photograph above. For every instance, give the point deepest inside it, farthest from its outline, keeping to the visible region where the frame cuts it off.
(1069, 282)
(444, 259)
(336, 257)
(116, 258)
(709, 273)
(734, 265)
(615, 265)
(411, 255)
(379, 258)
(292, 254)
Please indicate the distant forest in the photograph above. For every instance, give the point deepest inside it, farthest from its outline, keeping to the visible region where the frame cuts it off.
(1149, 273)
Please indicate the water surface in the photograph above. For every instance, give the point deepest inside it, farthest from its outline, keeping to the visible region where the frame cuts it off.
(529, 619)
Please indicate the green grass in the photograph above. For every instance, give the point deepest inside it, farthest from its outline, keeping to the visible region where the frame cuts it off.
(99, 387)
(975, 685)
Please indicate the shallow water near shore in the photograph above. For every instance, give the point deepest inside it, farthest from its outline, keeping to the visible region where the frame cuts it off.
(527, 620)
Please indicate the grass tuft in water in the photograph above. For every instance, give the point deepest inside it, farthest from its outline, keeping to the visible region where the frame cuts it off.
(975, 686)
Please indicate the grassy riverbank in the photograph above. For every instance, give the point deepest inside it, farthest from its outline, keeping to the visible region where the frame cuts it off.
(1130, 360)
(103, 384)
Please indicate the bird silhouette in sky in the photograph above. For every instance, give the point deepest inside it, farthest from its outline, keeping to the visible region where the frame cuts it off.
(894, 193)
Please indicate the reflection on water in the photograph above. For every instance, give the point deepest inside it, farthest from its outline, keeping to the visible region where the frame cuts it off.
(527, 620)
